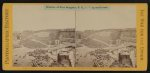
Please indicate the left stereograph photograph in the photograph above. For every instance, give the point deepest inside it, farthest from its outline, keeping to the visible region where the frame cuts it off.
(43, 38)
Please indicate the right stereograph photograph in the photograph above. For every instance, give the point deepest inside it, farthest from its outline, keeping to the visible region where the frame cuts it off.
(106, 37)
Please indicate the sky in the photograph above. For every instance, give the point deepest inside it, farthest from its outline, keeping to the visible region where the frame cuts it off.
(35, 17)
(112, 18)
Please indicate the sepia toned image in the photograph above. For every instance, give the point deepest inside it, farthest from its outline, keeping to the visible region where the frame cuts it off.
(106, 38)
(74, 38)
(43, 38)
